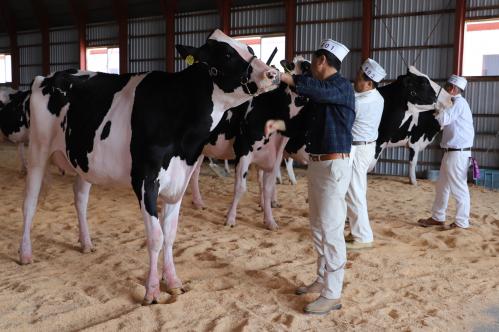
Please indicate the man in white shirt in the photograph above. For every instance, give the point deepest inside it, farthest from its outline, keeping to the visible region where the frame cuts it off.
(457, 140)
(368, 111)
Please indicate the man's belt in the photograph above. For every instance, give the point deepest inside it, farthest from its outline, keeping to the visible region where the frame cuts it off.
(362, 142)
(452, 149)
(328, 156)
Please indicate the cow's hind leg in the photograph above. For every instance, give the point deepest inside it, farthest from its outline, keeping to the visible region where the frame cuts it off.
(169, 224)
(36, 171)
(197, 199)
(291, 172)
(154, 239)
(268, 192)
(413, 156)
(81, 190)
(241, 175)
(22, 158)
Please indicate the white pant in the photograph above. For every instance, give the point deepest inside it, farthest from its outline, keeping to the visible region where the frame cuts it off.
(356, 195)
(453, 180)
(327, 187)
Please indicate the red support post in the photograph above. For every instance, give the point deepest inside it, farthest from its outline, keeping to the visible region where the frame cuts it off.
(224, 8)
(459, 36)
(367, 23)
(10, 21)
(80, 15)
(121, 13)
(169, 8)
(290, 8)
(42, 15)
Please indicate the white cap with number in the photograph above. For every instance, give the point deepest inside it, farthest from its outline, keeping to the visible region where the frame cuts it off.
(373, 70)
(458, 81)
(338, 49)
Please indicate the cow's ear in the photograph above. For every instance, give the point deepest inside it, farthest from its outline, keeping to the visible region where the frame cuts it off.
(288, 66)
(305, 67)
(187, 52)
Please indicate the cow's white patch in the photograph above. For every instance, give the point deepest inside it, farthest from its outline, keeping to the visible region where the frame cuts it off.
(174, 180)
(110, 159)
(412, 112)
(4, 94)
(223, 101)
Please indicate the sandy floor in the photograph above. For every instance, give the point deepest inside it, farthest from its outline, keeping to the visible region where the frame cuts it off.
(243, 278)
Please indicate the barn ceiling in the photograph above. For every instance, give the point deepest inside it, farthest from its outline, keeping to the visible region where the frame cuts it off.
(27, 14)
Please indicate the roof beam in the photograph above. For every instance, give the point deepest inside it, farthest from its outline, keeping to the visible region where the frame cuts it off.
(42, 17)
(120, 9)
(169, 7)
(290, 7)
(10, 20)
(79, 10)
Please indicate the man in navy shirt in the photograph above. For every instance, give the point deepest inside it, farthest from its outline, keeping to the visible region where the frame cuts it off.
(330, 114)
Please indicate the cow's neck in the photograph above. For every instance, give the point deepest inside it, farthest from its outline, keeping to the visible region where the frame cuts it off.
(392, 94)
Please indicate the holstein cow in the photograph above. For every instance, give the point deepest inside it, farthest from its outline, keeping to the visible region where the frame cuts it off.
(14, 119)
(240, 135)
(408, 118)
(145, 130)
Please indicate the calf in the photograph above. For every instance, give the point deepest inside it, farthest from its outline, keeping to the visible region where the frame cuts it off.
(241, 136)
(145, 130)
(407, 118)
(14, 119)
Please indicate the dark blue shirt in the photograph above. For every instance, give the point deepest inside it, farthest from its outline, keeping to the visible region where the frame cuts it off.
(330, 113)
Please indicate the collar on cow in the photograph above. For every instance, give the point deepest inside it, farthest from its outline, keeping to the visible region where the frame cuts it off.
(214, 72)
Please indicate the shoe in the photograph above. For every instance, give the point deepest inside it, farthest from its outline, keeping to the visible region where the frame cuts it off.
(314, 287)
(322, 306)
(429, 222)
(359, 245)
(349, 238)
(451, 227)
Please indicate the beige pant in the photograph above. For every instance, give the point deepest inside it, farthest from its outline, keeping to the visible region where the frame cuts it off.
(327, 186)
(361, 155)
(453, 180)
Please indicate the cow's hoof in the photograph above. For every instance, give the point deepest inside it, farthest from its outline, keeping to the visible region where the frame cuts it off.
(88, 249)
(272, 226)
(175, 291)
(26, 259)
(230, 223)
(275, 205)
(147, 301)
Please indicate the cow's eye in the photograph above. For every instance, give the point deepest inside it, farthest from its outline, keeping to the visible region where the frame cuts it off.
(228, 55)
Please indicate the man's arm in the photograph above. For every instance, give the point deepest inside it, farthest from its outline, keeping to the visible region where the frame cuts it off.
(317, 90)
(446, 117)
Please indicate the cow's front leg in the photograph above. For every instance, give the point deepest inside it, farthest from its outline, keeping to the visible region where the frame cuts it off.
(22, 159)
(197, 199)
(268, 190)
(413, 156)
(81, 190)
(154, 239)
(169, 224)
(241, 175)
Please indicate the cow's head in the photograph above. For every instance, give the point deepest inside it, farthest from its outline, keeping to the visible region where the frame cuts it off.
(299, 66)
(421, 91)
(232, 65)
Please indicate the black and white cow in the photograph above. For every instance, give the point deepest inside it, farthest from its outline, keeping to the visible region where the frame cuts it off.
(145, 130)
(408, 118)
(14, 119)
(241, 136)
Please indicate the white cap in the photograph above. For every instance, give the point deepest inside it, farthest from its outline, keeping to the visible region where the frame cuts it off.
(458, 81)
(373, 70)
(338, 49)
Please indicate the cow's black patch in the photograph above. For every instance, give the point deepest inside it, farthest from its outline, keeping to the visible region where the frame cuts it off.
(105, 131)
(14, 114)
(89, 99)
(407, 88)
(171, 117)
